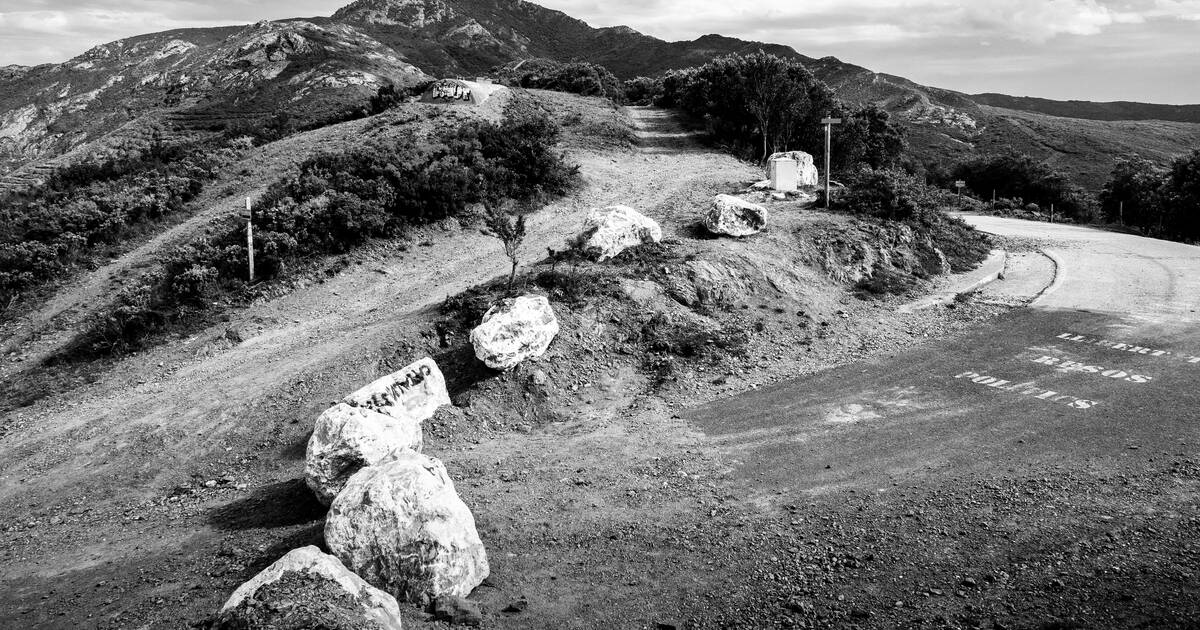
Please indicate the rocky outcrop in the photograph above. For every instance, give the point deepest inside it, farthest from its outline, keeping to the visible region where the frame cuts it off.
(731, 216)
(808, 175)
(308, 589)
(414, 392)
(515, 330)
(348, 438)
(610, 231)
(401, 526)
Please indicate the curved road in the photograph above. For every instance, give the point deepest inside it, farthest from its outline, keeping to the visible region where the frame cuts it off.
(1107, 359)
(1149, 280)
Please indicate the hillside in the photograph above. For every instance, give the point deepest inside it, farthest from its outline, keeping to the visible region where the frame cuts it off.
(152, 490)
(1117, 110)
(196, 80)
(191, 82)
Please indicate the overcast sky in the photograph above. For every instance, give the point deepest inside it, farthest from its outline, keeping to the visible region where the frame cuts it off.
(1145, 50)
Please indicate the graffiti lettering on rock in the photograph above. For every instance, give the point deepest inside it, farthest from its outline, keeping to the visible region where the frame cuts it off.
(448, 90)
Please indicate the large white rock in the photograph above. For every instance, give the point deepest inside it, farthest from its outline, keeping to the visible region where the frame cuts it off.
(305, 589)
(735, 217)
(515, 330)
(415, 392)
(610, 231)
(808, 171)
(402, 527)
(348, 438)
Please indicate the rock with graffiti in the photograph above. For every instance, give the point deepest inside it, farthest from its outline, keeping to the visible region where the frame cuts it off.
(451, 90)
(414, 392)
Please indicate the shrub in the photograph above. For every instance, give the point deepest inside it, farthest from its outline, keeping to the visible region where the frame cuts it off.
(44, 233)
(337, 201)
(576, 77)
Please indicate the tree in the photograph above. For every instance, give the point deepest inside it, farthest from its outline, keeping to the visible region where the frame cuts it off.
(1181, 196)
(1132, 194)
(866, 137)
(508, 225)
(754, 104)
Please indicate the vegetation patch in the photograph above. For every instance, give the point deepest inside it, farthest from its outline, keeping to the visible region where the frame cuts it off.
(49, 231)
(334, 203)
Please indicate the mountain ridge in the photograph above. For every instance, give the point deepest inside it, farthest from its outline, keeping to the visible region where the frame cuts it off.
(337, 62)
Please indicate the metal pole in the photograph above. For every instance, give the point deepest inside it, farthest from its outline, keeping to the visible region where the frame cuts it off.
(828, 132)
(250, 239)
(829, 123)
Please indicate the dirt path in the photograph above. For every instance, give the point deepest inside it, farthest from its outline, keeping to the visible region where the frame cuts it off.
(154, 415)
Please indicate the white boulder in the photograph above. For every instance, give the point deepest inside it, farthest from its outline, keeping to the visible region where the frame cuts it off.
(515, 330)
(401, 526)
(808, 175)
(414, 392)
(306, 589)
(348, 438)
(611, 231)
(735, 217)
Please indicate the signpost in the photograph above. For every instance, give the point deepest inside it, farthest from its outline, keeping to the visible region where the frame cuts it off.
(829, 123)
(249, 239)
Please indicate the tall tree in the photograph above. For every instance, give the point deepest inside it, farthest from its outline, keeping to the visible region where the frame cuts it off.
(1132, 193)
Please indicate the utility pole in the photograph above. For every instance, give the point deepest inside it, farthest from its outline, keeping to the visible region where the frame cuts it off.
(829, 123)
(250, 240)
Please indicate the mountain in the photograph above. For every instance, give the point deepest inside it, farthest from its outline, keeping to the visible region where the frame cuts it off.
(196, 80)
(191, 82)
(1087, 110)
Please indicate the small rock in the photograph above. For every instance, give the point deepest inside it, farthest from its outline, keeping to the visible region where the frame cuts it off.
(456, 610)
(516, 607)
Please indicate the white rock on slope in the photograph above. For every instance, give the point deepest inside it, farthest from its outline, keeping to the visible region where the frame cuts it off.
(414, 392)
(808, 171)
(318, 574)
(611, 231)
(734, 217)
(401, 526)
(515, 330)
(348, 438)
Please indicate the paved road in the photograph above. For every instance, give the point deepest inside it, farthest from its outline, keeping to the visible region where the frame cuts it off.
(1104, 362)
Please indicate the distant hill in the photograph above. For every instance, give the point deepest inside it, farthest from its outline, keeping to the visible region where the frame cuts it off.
(1087, 110)
(188, 80)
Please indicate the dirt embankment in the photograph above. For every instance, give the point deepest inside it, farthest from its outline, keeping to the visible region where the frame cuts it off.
(143, 499)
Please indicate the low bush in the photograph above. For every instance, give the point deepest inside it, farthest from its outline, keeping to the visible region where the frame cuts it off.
(46, 232)
(894, 195)
(576, 77)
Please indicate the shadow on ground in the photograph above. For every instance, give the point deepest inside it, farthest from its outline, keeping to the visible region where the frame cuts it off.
(281, 504)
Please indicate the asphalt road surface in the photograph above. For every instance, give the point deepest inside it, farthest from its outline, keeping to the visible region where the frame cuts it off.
(1105, 362)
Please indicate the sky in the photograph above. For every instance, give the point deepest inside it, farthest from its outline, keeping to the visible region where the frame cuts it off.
(1098, 50)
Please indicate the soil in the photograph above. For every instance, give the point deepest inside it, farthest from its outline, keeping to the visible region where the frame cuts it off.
(143, 499)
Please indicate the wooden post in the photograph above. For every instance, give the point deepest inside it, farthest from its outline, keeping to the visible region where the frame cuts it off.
(1121, 213)
(1052, 213)
(829, 123)
(993, 200)
(250, 240)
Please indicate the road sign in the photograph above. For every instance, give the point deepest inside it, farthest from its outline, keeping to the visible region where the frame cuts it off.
(960, 183)
(831, 121)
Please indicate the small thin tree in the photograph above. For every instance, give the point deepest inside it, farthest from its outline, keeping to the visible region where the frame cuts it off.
(507, 223)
